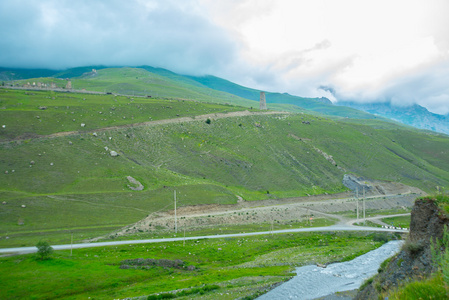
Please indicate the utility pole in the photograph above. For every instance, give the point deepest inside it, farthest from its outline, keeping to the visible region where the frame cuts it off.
(364, 216)
(357, 199)
(176, 221)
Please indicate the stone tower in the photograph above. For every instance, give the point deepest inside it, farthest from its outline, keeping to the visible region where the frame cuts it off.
(69, 85)
(263, 103)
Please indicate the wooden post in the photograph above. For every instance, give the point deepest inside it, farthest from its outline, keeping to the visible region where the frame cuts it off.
(176, 221)
(364, 216)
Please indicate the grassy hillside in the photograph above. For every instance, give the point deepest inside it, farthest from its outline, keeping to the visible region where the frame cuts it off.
(70, 182)
(231, 268)
(27, 114)
(320, 105)
(158, 82)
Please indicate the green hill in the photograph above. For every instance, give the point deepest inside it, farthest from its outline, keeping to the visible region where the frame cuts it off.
(320, 105)
(67, 180)
(158, 82)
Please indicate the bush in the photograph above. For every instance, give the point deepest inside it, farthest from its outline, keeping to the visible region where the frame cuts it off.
(383, 265)
(413, 247)
(366, 283)
(44, 250)
(432, 288)
(381, 237)
(440, 256)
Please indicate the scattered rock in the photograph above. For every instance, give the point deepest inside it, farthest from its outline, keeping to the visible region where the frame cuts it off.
(6, 172)
(113, 153)
(83, 125)
(70, 143)
(106, 148)
(3, 126)
(4, 202)
(32, 162)
(51, 164)
(94, 134)
(23, 206)
(42, 107)
(135, 182)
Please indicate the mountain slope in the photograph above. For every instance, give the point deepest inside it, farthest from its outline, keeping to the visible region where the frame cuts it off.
(251, 156)
(415, 115)
(321, 105)
(146, 80)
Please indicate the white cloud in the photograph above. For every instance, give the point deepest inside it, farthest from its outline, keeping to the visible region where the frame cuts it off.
(362, 50)
(59, 34)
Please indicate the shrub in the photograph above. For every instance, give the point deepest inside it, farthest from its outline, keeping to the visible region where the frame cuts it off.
(413, 247)
(208, 121)
(440, 256)
(366, 283)
(432, 288)
(44, 250)
(381, 237)
(383, 265)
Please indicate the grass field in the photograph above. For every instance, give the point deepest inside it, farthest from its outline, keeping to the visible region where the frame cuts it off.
(59, 179)
(71, 183)
(223, 269)
(403, 222)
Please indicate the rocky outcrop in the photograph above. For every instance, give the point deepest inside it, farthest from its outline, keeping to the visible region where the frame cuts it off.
(356, 183)
(138, 186)
(415, 260)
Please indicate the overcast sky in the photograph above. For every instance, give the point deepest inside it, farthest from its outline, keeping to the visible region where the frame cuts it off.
(361, 50)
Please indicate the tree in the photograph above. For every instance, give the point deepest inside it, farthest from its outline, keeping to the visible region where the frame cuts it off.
(208, 121)
(44, 250)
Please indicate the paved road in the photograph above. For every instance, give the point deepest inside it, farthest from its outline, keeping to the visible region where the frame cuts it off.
(25, 250)
(377, 218)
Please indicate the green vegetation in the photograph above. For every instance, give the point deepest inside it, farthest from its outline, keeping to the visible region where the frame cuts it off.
(442, 200)
(243, 156)
(219, 229)
(224, 268)
(403, 222)
(441, 258)
(44, 250)
(66, 158)
(28, 114)
(282, 100)
(430, 288)
(437, 285)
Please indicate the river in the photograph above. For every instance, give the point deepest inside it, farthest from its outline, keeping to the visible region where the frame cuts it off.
(312, 282)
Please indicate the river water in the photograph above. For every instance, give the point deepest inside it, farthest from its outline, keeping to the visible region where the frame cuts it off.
(313, 282)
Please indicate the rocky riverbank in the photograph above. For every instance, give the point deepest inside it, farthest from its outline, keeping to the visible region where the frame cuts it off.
(414, 262)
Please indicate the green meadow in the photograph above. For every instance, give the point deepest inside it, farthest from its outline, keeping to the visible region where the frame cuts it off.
(212, 269)
(67, 180)
(59, 180)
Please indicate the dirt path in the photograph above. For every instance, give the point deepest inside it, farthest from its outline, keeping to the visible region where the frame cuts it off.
(376, 219)
(283, 211)
(213, 116)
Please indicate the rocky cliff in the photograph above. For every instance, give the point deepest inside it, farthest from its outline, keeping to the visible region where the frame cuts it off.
(414, 261)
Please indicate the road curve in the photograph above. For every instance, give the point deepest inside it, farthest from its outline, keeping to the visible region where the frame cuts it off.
(26, 250)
